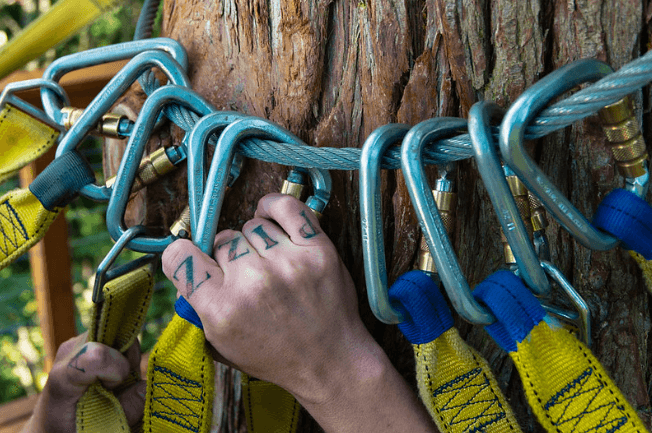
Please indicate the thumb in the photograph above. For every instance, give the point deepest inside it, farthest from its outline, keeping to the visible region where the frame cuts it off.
(191, 271)
(132, 401)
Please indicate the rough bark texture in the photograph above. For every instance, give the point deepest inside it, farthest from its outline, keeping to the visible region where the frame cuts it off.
(333, 71)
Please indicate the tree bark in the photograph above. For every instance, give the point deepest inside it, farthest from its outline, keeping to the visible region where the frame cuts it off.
(333, 71)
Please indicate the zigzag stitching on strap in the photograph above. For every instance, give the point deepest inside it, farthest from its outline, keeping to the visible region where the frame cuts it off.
(575, 389)
(8, 212)
(456, 386)
(184, 420)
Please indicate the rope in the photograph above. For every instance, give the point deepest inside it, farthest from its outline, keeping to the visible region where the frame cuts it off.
(580, 105)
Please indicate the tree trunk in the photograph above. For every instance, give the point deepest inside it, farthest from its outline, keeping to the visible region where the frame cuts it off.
(333, 71)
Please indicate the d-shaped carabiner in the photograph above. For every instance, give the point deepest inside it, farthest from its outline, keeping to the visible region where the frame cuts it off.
(7, 97)
(373, 243)
(198, 138)
(430, 221)
(512, 132)
(493, 176)
(98, 56)
(220, 168)
(133, 154)
(530, 269)
(109, 95)
(105, 274)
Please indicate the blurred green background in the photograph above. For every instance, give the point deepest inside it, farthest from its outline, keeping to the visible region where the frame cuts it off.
(21, 342)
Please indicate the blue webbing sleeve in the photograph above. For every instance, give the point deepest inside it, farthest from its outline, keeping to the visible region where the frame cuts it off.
(185, 311)
(516, 309)
(424, 308)
(628, 217)
(59, 183)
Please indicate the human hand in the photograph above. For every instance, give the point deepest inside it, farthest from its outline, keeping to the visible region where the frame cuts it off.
(77, 365)
(277, 302)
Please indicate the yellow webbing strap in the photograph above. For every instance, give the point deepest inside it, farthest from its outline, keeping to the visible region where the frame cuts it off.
(23, 222)
(116, 322)
(567, 388)
(455, 382)
(180, 381)
(268, 407)
(22, 140)
(646, 268)
(458, 388)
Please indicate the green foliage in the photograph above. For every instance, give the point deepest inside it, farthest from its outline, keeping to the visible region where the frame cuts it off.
(21, 342)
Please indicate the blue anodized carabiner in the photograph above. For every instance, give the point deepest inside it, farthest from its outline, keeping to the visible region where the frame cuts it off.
(373, 243)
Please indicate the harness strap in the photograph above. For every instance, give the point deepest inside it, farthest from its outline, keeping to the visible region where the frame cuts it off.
(268, 407)
(455, 382)
(22, 140)
(567, 388)
(26, 214)
(180, 377)
(116, 322)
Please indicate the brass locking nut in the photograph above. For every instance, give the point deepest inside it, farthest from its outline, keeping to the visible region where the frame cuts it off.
(108, 126)
(154, 166)
(181, 227)
(446, 202)
(538, 215)
(520, 194)
(624, 135)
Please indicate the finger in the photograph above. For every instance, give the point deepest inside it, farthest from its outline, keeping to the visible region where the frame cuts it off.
(189, 269)
(72, 345)
(230, 248)
(264, 235)
(132, 401)
(93, 362)
(133, 355)
(293, 216)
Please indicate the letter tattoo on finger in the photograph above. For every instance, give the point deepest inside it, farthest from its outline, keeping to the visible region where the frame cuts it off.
(308, 230)
(190, 277)
(269, 242)
(74, 362)
(233, 249)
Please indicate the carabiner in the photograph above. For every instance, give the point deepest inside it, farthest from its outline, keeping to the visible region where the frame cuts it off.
(98, 56)
(198, 138)
(109, 95)
(7, 97)
(373, 243)
(105, 274)
(132, 157)
(430, 221)
(492, 174)
(512, 131)
(222, 159)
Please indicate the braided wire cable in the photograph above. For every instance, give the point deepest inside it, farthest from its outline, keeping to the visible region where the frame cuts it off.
(580, 105)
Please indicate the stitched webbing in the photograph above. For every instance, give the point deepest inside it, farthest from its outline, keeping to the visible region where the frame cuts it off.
(268, 407)
(180, 381)
(23, 222)
(567, 388)
(22, 140)
(116, 323)
(455, 382)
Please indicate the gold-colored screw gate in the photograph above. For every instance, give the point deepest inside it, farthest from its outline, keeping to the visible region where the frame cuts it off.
(520, 194)
(181, 227)
(108, 126)
(154, 166)
(446, 204)
(624, 135)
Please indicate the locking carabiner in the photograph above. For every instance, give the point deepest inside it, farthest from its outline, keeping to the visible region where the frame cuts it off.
(430, 220)
(529, 267)
(109, 95)
(101, 55)
(198, 138)
(220, 167)
(104, 272)
(512, 132)
(373, 243)
(132, 157)
(58, 93)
